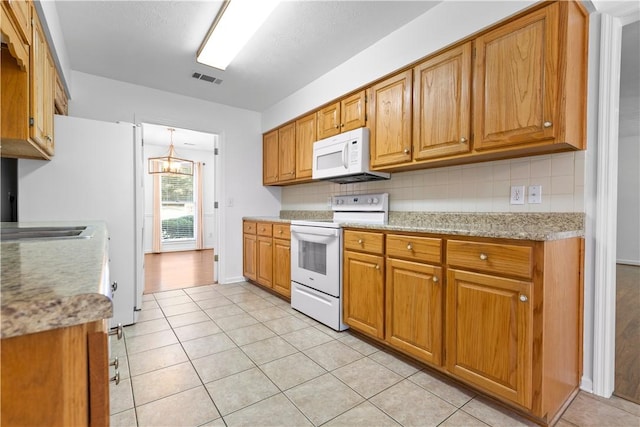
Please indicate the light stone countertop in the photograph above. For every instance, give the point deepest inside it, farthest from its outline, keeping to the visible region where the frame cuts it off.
(521, 226)
(49, 284)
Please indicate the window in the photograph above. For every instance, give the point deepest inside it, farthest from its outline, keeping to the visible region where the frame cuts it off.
(177, 207)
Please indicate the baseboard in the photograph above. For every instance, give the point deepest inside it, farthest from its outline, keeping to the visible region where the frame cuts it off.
(628, 262)
(229, 280)
(586, 385)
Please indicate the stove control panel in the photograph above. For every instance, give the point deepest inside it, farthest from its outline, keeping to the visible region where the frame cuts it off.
(378, 202)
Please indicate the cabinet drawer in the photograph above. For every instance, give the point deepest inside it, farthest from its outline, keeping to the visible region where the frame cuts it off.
(264, 229)
(249, 227)
(414, 248)
(364, 241)
(510, 260)
(282, 231)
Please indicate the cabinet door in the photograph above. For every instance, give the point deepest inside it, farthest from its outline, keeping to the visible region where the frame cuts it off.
(287, 152)
(515, 86)
(442, 104)
(329, 121)
(265, 261)
(49, 103)
(390, 120)
(21, 12)
(352, 112)
(38, 87)
(270, 158)
(414, 309)
(363, 288)
(489, 338)
(282, 267)
(305, 137)
(249, 256)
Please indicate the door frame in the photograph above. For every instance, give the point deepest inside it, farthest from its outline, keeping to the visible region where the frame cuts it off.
(612, 18)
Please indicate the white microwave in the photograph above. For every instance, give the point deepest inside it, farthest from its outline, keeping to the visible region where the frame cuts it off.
(344, 158)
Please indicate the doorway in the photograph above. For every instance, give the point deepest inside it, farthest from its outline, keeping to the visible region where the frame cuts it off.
(627, 357)
(181, 208)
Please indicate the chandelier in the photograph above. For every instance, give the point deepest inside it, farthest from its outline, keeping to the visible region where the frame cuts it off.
(170, 164)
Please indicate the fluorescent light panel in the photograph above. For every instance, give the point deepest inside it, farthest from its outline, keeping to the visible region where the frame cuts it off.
(231, 32)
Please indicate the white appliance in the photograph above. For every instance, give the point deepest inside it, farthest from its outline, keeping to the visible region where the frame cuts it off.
(316, 256)
(93, 176)
(344, 158)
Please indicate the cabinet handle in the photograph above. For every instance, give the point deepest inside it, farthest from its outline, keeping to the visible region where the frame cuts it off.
(435, 279)
(407, 151)
(409, 247)
(547, 124)
(117, 331)
(463, 140)
(360, 241)
(115, 378)
(484, 257)
(115, 362)
(523, 298)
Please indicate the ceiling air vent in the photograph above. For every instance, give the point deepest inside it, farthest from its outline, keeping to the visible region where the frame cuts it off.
(206, 78)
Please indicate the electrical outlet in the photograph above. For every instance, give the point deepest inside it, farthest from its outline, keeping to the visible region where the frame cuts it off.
(535, 194)
(517, 194)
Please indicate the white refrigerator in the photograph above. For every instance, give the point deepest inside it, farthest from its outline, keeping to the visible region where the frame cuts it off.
(96, 174)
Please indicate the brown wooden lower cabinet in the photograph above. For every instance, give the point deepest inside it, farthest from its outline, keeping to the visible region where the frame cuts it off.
(502, 316)
(57, 377)
(267, 255)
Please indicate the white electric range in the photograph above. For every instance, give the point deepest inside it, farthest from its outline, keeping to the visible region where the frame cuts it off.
(316, 255)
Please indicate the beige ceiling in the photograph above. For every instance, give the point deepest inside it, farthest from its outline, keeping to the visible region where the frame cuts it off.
(153, 43)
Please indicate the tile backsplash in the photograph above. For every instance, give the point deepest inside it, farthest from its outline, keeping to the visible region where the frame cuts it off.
(480, 187)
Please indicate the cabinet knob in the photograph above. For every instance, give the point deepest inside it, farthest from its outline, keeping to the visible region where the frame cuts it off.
(409, 247)
(337, 126)
(547, 124)
(115, 378)
(484, 257)
(279, 231)
(360, 241)
(463, 140)
(435, 279)
(115, 362)
(407, 151)
(114, 287)
(341, 125)
(117, 331)
(524, 298)
(377, 267)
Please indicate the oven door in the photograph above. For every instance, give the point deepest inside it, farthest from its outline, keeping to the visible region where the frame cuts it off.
(315, 258)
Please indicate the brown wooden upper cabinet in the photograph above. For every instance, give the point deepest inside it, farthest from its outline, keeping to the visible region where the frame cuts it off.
(442, 104)
(305, 137)
(390, 120)
(530, 80)
(341, 116)
(279, 155)
(20, 11)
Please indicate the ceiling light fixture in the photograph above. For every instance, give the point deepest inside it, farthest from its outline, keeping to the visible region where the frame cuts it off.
(234, 25)
(170, 164)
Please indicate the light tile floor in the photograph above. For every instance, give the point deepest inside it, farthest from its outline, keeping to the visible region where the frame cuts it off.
(235, 355)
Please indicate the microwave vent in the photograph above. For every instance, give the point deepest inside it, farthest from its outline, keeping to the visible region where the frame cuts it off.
(206, 78)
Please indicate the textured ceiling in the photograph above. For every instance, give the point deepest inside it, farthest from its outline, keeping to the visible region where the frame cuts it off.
(153, 43)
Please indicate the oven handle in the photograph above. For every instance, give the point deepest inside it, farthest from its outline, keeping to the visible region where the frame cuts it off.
(345, 152)
(317, 235)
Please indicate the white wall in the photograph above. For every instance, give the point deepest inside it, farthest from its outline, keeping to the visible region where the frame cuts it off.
(240, 171)
(208, 193)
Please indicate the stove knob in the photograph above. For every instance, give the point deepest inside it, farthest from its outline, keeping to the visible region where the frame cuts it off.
(339, 201)
(369, 200)
(375, 200)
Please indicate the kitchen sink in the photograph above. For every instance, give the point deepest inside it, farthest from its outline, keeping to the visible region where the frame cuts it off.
(45, 233)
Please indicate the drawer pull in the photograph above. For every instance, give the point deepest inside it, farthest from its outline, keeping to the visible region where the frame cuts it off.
(524, 298)
(547, 124)
(279, 231)
(360, 241)
(115, 362)
(409, 247)
(435, 279)
(117, 331)
(484, 257)
(115, 378)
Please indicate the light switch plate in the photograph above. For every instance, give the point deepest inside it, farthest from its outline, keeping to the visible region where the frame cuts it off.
(535, 194)
(517, 194)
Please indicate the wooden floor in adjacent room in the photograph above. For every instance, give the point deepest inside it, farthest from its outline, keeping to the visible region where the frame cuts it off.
(627, 381)
(176, 270)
